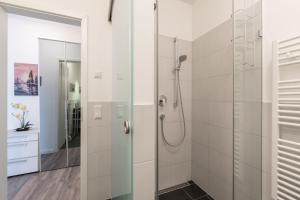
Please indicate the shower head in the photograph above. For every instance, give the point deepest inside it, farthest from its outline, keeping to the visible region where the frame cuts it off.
(181, 59)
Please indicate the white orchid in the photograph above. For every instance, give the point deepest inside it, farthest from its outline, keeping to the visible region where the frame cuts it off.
(22, 117)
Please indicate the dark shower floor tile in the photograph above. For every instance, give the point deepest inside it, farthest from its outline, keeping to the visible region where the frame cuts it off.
(191, 192)
(175, 195)
(194, 191)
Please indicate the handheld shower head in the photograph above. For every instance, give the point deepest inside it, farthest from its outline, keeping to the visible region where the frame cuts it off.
(181, 59)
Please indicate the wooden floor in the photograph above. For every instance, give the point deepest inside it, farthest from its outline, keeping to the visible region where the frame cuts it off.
(59, 160)
(62, 184)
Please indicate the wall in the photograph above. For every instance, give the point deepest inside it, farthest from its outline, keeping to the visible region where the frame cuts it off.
(212, 97)
(176, 18)
(99, 89)
(208, 14)
(174, 162)
(24, 48)
(212, 115)
(144, 107)
(280, 21)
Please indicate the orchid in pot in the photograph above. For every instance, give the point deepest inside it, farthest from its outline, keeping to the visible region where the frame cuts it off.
(22, 116)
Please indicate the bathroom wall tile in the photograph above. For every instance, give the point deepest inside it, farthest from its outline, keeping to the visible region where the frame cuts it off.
(200, 176)
(220, 166)
(200, 155)
(170, 155)
(221, 140)
(186, 71)
(218, 188)
(99, 188)
(212, 111)
(200, 132)
(200, 67)
(185, 48)
(200, 89)
(166, 47)
(250, 119)
(144, 137)
(164, 177)
(144, 181)
(221, 88)
(220, 114)
(166, 69)
(99, 164)
(99, 138)
(248, 181)
(249, 147)
(180, 173)
(201, 111)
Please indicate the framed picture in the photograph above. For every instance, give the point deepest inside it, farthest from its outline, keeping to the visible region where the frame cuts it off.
(26, 79)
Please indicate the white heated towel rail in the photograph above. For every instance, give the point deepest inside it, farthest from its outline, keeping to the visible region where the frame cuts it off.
(286, 120)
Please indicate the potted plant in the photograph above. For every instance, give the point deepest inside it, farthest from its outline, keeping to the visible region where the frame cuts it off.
(25, 125)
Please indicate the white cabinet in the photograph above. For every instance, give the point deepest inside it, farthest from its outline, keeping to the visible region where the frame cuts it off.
(22, 152)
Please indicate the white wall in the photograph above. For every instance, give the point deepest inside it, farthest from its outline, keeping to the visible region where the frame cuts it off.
(175, 18)
(99, 38)
(144, 118)
(208, 14)
(280, 21)
(23, 47)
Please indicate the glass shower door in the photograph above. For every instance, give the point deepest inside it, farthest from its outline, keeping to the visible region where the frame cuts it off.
(122, 100)
(247, 100)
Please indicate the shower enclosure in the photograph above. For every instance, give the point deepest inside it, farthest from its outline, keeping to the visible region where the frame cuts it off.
(60, 90)
(209, 94)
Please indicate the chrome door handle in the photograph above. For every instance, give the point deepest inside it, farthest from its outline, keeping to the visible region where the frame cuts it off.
(126, 127)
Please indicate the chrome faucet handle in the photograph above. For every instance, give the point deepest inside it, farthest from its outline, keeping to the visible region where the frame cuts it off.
(162, 100)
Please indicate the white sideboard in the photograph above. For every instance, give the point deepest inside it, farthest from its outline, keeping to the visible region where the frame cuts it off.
(22, 152)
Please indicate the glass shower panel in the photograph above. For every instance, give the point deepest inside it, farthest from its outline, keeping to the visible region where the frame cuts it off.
(247, 100)
(122, 97)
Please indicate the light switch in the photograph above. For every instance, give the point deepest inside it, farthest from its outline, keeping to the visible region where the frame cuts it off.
(97, 112)
(98, 75)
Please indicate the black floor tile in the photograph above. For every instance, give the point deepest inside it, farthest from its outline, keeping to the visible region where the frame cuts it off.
(175, 195)
(194, 191)
(204, 198)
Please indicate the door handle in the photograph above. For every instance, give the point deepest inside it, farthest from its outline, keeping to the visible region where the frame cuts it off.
(126, 127)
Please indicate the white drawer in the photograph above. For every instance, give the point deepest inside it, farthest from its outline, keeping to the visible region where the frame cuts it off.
(22, 166)
(22, 150)
(21, 137)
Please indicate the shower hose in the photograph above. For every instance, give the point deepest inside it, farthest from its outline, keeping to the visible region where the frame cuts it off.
(162, 117)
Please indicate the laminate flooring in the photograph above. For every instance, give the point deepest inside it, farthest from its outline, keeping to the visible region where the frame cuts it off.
(62, 184)
(58, 160)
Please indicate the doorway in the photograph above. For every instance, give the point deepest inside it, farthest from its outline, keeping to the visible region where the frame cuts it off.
(79, 129)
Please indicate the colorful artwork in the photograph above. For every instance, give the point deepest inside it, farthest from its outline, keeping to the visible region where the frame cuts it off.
(26, 79)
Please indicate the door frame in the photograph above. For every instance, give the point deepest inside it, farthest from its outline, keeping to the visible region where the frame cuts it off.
(17, 7)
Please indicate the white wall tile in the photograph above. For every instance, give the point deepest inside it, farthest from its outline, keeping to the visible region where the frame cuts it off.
(144, 133)
(144, 181)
